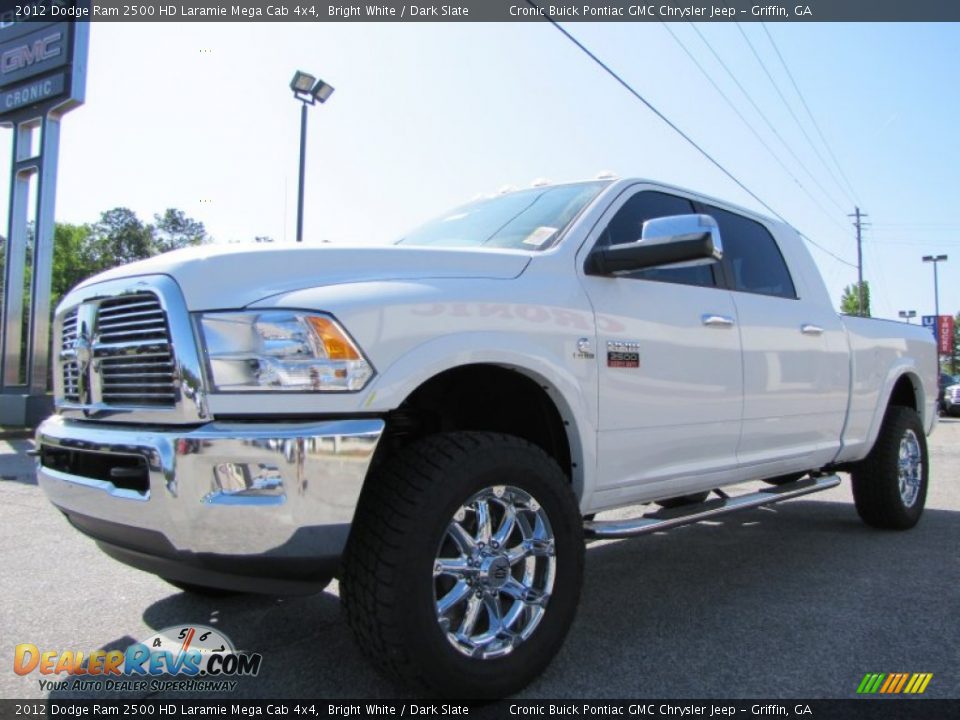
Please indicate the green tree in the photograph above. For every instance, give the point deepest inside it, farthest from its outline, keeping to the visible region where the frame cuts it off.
(118, 237)
(69, 268)
(174, 230)
(850, 301)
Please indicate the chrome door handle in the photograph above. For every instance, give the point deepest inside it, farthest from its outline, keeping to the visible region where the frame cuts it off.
(717, 321)
(808, 329)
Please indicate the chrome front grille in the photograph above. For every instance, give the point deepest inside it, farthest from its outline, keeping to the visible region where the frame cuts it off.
(127, 353)
(117, 352)
(71, 369)
(132, 352)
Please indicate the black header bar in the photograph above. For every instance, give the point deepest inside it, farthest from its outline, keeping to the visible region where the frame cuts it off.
(27, 11)
(542, 709)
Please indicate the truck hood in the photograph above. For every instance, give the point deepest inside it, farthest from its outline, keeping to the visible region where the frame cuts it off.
(220, 276)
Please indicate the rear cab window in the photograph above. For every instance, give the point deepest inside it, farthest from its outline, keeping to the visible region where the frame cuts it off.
(751, 256)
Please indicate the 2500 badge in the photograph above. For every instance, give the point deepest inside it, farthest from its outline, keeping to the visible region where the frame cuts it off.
(623, 354)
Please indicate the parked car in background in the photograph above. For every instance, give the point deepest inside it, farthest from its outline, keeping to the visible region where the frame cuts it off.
(950, 397)
(945, 382)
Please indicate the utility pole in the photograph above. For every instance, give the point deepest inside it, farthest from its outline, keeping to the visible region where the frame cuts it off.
(859, 225)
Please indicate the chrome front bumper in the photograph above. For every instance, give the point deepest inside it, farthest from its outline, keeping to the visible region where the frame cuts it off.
(219, 491)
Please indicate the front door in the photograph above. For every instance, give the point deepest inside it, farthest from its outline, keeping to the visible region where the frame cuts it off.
(669, 357)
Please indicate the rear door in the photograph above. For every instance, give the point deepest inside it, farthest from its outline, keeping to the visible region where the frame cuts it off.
(795, 356)
(669, 365)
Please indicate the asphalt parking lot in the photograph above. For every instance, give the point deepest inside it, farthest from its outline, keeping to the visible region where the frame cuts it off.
(795, 601)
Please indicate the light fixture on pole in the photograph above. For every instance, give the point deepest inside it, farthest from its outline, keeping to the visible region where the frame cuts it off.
(935, 259)
(908, 314)
(308, 90)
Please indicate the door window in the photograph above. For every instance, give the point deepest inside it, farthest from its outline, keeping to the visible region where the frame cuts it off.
(752, 256)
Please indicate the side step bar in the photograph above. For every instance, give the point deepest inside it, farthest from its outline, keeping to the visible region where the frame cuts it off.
(665, 519)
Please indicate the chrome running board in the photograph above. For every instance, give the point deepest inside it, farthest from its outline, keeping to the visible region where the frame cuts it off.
(665, 519)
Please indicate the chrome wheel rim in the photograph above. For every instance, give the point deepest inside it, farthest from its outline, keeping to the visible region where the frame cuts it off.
(910, 468)
(494, 572)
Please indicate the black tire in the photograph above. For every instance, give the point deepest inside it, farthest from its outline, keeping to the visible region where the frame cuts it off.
(680, 501)
(784, 479)
(876, 483)
(202, 590)
(400, 529)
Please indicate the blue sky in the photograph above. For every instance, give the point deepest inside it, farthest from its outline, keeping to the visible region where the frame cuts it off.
(425, 116)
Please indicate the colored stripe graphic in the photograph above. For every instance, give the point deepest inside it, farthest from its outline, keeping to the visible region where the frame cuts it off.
(894, 683)
(870, 683)
(903, 680)
(918, 683)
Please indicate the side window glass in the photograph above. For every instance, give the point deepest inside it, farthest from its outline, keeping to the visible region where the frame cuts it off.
(752, 256)
(627, 224)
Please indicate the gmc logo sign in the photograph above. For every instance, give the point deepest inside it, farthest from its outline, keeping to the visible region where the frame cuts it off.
(27, 55)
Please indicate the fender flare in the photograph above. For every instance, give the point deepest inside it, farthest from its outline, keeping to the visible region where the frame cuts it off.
(424, 362)
(904, 369)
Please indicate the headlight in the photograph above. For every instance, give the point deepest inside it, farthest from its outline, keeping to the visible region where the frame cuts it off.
(281, 350)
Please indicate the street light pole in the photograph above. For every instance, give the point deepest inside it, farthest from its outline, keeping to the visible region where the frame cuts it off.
(303, 164)
(936, 299)
(908, 315)
(308, 90)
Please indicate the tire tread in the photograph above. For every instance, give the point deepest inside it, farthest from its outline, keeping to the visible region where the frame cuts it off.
(876, 491)
(390, 507)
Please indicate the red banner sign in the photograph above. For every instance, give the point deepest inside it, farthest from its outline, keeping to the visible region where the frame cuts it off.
(945, 333)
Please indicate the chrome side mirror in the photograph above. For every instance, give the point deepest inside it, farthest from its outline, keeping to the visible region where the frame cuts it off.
(674, 241)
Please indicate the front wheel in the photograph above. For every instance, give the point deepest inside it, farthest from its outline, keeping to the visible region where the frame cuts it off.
(890, 484)
(464, 565)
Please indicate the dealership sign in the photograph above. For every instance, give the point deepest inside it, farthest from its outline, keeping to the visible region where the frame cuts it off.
(945, 334)
(42, 76)
(41, 67)
(942, 329)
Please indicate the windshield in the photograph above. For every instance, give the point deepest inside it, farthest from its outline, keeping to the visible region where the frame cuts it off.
(524, 220)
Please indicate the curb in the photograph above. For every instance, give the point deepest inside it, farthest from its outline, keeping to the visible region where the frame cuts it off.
(16, 433)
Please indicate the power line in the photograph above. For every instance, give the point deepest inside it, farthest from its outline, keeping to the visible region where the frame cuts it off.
(813, 119)
(917, 226)
(917, 243)
(823, 249)
(763, 115)
(629, 88)
(787, 105)
(881, 296)
(752, 129)
(654, 110)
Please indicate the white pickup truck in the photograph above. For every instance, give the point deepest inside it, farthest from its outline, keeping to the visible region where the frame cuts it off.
(438, 423)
